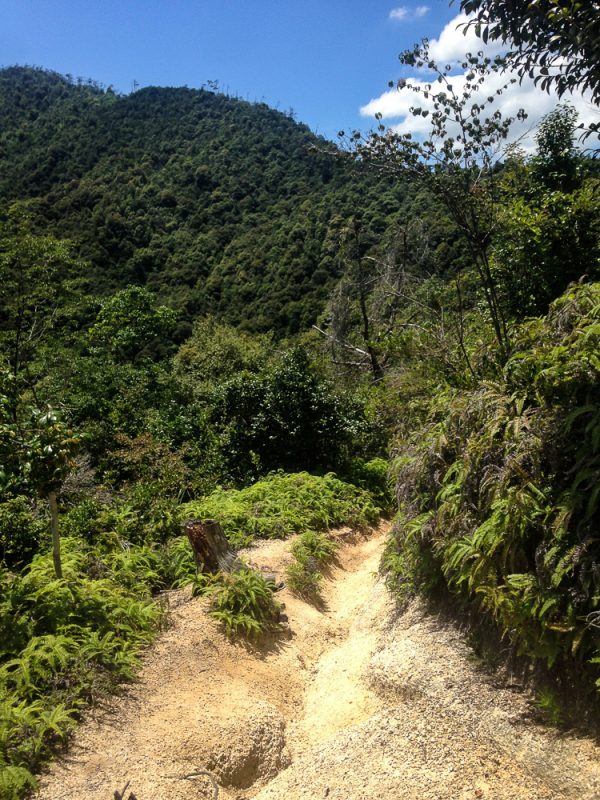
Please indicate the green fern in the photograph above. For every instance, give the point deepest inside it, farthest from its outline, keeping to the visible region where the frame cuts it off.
(243, 601)
(15, 782)
(500, 488)
(311, 552)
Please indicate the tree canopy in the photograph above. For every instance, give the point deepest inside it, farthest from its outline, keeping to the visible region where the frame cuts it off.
(555, 41)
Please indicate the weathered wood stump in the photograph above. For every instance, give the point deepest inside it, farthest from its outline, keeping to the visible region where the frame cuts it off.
(212, 551)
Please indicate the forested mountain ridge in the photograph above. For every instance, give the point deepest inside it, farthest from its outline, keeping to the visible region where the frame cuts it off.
(216, 203)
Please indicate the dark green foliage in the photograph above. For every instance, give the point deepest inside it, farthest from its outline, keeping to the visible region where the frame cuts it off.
(555, 40)
(45, 447)
(374, 477)
(281, 505)
(188, 192)
(141, 515)
(24, 531)
(284, 418)
(500, 491)
(129, 325)
(37, 275)
(557, 162)
(216, 352)
(544, 244)
(549, 231)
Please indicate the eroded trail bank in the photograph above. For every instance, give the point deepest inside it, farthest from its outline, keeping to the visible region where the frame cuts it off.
(356, 703)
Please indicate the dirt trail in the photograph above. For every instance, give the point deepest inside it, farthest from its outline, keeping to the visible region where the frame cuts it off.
(357, 703)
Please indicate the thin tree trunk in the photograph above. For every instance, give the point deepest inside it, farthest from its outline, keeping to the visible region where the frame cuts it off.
(461, 328)
(55, 534)
(376, 368)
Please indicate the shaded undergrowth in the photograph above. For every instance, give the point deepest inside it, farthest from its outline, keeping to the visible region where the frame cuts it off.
(499, 493)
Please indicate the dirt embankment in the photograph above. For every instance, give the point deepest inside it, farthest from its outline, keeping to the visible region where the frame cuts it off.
(357, 703)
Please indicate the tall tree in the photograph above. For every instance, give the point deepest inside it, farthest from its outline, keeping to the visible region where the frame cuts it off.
(35, 274)
(458, 158)
(36, 451)
(130, 325)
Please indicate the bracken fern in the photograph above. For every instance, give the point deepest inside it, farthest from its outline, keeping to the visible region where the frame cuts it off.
(500, 490)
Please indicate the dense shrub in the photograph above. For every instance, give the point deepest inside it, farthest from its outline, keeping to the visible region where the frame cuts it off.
(544, 244)
(286, 417)
(24, 531)
(374, 477)
(500, 491)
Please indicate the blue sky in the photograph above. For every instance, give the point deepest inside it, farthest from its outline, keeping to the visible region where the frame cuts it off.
(323, 58)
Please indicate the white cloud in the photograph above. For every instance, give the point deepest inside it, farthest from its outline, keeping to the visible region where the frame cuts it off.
(399, 13)
(450, 48)
(456, 40)
(404, 13)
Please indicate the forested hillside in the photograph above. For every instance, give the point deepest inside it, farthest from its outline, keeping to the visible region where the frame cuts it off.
(217, 204)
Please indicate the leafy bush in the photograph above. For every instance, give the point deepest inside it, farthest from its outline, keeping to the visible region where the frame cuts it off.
(281, 505)
(285, 417)
(130, 325)
(314, 545)
(500, 490)
(141, 514)
(544, 244)
(22, 531)
(373, 476)
(215, 352)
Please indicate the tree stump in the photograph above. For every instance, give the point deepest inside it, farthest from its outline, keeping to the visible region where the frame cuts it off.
(212, 552)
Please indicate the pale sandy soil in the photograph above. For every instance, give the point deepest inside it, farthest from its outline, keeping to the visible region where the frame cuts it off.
(357, 702)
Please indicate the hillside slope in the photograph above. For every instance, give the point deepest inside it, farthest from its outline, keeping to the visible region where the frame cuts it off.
(218, 204)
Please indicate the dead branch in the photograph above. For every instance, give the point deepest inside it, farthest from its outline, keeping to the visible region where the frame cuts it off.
(121, 795)
(347, 346)
(199, 773)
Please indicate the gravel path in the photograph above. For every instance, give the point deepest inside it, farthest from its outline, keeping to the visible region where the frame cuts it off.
(356, 703)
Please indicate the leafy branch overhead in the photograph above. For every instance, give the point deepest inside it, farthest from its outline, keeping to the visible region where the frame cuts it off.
(556, 42)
